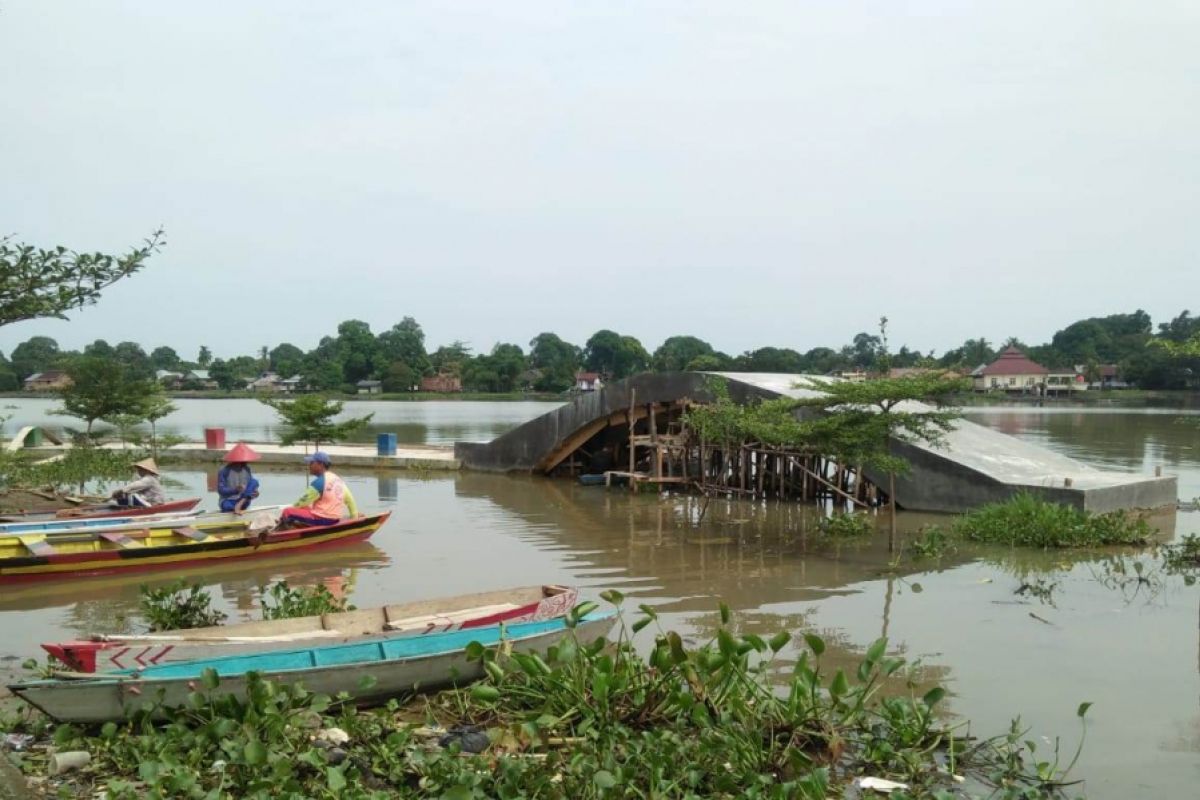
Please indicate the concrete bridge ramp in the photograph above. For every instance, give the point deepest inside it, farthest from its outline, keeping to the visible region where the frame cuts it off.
(977, 465)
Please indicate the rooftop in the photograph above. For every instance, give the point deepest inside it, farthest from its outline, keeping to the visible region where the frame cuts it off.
(1013, 362)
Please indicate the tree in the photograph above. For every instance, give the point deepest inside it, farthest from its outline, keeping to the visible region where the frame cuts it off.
(100, 389)
(223, 373)
(404, 342)
(769, 359)
(310, 418)
(613, 355)
(204, 358)
(1180, 329)
(8, 378)
(399, 377)
(677, 352)
(555, 360)
(35, 355)
(99, 349)
(356, 350)
(497, 372)
(137, 364)
(154, 406)
(286, 359)
(450, 358)
(37, 282)
(165, 358)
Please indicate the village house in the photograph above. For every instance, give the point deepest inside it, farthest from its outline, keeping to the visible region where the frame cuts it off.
(49, 381)
(267, 382)
(443, 383)
(587, 381)
(369, 387)
(1108, 376)
(198, 379)
(1015, 373)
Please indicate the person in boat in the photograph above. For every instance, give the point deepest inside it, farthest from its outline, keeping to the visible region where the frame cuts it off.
(327, 501)
(236, 484)
(146, 490)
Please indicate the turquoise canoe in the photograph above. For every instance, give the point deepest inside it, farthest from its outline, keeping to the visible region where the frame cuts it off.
(395, 667)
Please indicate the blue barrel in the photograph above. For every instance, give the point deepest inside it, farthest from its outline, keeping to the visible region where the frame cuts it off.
(387, 444)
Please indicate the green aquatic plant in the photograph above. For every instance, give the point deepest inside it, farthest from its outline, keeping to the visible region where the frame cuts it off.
(281, 601)
(1028, 521)
(178, 605)
(736, 716)
(933, 542)
(1183, 557)
(846, 525)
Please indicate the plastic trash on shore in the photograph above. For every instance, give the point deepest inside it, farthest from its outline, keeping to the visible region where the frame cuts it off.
(881, 785)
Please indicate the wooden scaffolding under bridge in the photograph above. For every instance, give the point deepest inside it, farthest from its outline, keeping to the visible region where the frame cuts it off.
(664, 453)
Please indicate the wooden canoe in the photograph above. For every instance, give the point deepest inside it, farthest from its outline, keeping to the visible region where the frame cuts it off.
(66, 528)
(101, 511)
(369, 672)
(421, 618)
(32, 557)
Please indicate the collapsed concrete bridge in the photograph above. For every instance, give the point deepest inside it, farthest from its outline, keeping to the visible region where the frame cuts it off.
(597, 431)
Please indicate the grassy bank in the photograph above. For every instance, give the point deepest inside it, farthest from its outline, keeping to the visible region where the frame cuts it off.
(729, 718)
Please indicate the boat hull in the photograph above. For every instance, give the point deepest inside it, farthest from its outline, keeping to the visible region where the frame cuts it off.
(421, 618)
(100, 512)
(330, 671)
(128, 559)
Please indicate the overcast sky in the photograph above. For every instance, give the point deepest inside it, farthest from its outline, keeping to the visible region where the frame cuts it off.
(751, 173)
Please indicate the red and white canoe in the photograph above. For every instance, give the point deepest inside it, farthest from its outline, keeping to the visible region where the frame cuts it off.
(101, 511)
(98, 653)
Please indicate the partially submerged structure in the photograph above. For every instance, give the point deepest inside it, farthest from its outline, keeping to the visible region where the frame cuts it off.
(633, 430)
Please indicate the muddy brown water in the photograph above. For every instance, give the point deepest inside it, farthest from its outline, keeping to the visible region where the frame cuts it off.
(1085, 633)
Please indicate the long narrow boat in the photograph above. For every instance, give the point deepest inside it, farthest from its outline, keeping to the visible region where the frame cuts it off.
(100, 511)
(421, 618)
(32, 557)
(83, 527)
(368, 672)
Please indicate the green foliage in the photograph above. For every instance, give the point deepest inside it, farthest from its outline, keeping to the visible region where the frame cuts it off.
(584, 720)
(679, 352)
(281, 601)
(103, 388)
(176, 606)
(310, 418)
(500, 371)
(556, 362)
(615, 356)
(1027, 521)
(37, 282)
(36, 355)
(846, 525)
(934, 542)
(81, 466)
(1183, 557)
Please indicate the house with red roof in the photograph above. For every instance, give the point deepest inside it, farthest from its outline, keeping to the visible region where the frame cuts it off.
(1014, 372)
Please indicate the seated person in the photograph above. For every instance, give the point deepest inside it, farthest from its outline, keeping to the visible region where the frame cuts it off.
(236, 484)
(145, 491)
(327, 500)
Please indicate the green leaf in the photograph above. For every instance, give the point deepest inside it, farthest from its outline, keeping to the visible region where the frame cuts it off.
(604, 779)
(933, 696)
(612, 596)
(209, 678)
(485, 693)
(678, 654)
(726, 643)
(840, 685)
(474, 651)
(648, 611)
(335, 779)
(876, 650)
(725, 614)
(109, 731)
(255, 753)
(815, 643)
(640, 624)
(494, 671)
(1083, 709)
(367, 682)
(779, 641)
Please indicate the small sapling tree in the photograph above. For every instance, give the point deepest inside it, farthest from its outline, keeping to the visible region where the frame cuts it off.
(310, 418)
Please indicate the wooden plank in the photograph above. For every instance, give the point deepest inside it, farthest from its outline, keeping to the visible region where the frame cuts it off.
(192, 533)
(39, 547)
(118, 538)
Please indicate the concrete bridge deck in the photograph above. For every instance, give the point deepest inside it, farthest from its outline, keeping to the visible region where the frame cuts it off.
(978, 465)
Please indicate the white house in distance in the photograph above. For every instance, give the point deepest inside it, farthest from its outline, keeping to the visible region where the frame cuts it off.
(1015, 372)
(587, 381)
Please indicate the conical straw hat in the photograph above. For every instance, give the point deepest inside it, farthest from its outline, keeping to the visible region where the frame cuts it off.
(241, 452)
(148, 465)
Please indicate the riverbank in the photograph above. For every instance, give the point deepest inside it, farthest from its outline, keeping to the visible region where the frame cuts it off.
(415, 457)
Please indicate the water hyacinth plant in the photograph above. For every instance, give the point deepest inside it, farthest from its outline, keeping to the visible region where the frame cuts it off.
(729, 718)
(1027, 521)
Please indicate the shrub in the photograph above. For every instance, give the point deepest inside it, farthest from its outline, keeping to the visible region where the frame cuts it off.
(178, 605)
(843, 525)
(300, 602)
(1027, 521)
(934, 542)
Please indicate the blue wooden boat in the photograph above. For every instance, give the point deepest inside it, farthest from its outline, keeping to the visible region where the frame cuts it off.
(395, 667)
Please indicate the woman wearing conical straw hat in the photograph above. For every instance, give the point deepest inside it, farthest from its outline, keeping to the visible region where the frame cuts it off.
(145, 491)
(236, 484)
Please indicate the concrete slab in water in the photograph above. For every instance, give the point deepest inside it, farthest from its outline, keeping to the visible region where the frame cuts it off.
(978, 465)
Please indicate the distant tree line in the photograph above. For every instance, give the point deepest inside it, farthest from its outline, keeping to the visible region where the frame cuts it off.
(1166, 358)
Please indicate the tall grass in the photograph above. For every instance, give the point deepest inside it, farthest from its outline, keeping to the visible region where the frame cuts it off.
(1027, 521)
